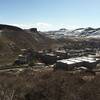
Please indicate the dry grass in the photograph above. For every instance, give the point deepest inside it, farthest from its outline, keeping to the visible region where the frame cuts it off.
(32, 85)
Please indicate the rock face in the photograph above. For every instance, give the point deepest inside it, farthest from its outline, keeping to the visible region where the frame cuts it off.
(33, 29)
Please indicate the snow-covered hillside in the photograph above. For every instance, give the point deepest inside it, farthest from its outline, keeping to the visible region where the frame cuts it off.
(80, 32)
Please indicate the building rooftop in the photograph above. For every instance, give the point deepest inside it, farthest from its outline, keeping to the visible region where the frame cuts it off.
(66, 61)
(75, 60)
(87, 59)
(78, 60)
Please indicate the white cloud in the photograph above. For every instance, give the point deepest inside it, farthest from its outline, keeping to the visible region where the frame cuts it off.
(24, 26)
(41, 26)
(44, 26)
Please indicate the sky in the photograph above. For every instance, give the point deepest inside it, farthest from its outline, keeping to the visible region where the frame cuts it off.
(50, 14)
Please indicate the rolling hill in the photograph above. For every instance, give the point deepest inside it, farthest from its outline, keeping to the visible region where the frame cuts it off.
(13, 39)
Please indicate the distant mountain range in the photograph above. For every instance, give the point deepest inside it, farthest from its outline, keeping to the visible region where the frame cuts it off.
(80, 32)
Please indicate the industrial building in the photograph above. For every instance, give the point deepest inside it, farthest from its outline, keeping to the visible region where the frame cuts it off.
(70, 64)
